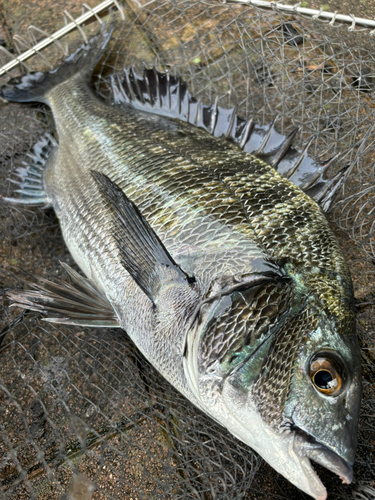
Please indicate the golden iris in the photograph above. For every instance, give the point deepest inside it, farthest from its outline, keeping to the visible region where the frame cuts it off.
(325, 375)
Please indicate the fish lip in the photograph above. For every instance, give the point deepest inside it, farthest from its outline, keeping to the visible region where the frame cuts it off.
(308, 446)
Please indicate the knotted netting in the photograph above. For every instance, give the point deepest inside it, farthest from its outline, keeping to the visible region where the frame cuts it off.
(82, 414)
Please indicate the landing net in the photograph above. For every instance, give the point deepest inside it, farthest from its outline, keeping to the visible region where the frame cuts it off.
(82, 414)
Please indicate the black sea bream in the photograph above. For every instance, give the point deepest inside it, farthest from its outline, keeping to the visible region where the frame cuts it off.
(224, 273)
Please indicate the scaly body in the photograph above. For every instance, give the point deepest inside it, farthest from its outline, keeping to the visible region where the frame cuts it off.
(233, 223)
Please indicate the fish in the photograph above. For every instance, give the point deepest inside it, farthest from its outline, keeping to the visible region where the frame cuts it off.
(203, 236)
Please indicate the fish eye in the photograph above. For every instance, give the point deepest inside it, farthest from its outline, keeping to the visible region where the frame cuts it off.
(326, 375)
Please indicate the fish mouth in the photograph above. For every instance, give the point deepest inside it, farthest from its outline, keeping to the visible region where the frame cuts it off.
(306, 445)
(288, 449)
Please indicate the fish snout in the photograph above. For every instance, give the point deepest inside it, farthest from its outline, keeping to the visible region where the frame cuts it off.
(305, 445)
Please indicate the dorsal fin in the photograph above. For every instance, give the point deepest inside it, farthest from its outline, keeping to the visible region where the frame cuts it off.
(167, 95)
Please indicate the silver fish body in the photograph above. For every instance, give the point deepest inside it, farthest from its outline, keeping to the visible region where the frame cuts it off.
(262, 336)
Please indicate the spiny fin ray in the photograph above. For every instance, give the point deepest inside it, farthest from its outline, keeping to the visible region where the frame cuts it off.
(167, 95)
(30, 176)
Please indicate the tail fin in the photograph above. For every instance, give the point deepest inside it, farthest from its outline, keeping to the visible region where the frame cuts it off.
(35, 86)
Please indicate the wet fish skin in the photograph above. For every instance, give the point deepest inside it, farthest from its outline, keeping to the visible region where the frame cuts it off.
(151, 171)
(271, 289)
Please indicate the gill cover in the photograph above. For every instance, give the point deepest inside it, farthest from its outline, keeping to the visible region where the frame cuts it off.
(212, 309)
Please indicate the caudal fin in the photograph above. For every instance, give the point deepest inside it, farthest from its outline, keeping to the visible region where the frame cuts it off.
(35, 86)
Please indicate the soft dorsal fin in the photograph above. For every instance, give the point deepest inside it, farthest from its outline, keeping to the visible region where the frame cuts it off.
(142, 253)
(79, 302)
(167, 95)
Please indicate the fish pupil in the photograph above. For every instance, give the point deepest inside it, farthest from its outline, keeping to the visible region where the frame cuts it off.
(323, 379)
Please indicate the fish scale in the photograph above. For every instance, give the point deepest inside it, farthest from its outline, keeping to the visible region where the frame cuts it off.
(253, 181)
(90, 241)
(222, 339)
(178, 177)
(263, 182)
(277, 368)
(170, 177)
(224, 273)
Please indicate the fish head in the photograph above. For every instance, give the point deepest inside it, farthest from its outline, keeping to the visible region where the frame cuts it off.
(281, 370)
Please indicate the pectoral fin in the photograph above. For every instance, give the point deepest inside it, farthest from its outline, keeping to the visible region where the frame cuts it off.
(142, 253)
(77, 303)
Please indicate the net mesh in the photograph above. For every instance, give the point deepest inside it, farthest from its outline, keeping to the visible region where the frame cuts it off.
(82, 414)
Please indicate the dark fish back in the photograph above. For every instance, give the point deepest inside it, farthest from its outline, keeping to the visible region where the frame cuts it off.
(199, 191)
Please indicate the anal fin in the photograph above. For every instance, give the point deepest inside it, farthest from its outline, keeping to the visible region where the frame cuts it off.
(30, 177)
(79, 302)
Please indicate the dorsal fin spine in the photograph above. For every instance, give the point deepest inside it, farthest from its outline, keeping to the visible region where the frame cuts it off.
(169, 89)
(247, 132)
(148, 88)
(214, 114)
(179, 97)
(187, 105)
(299, 160)
(198, 116)
(262, 147)
(158, 88)
(231, 123)
(129, 85)
(157, 92)
(138, 90)
(285, 147)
